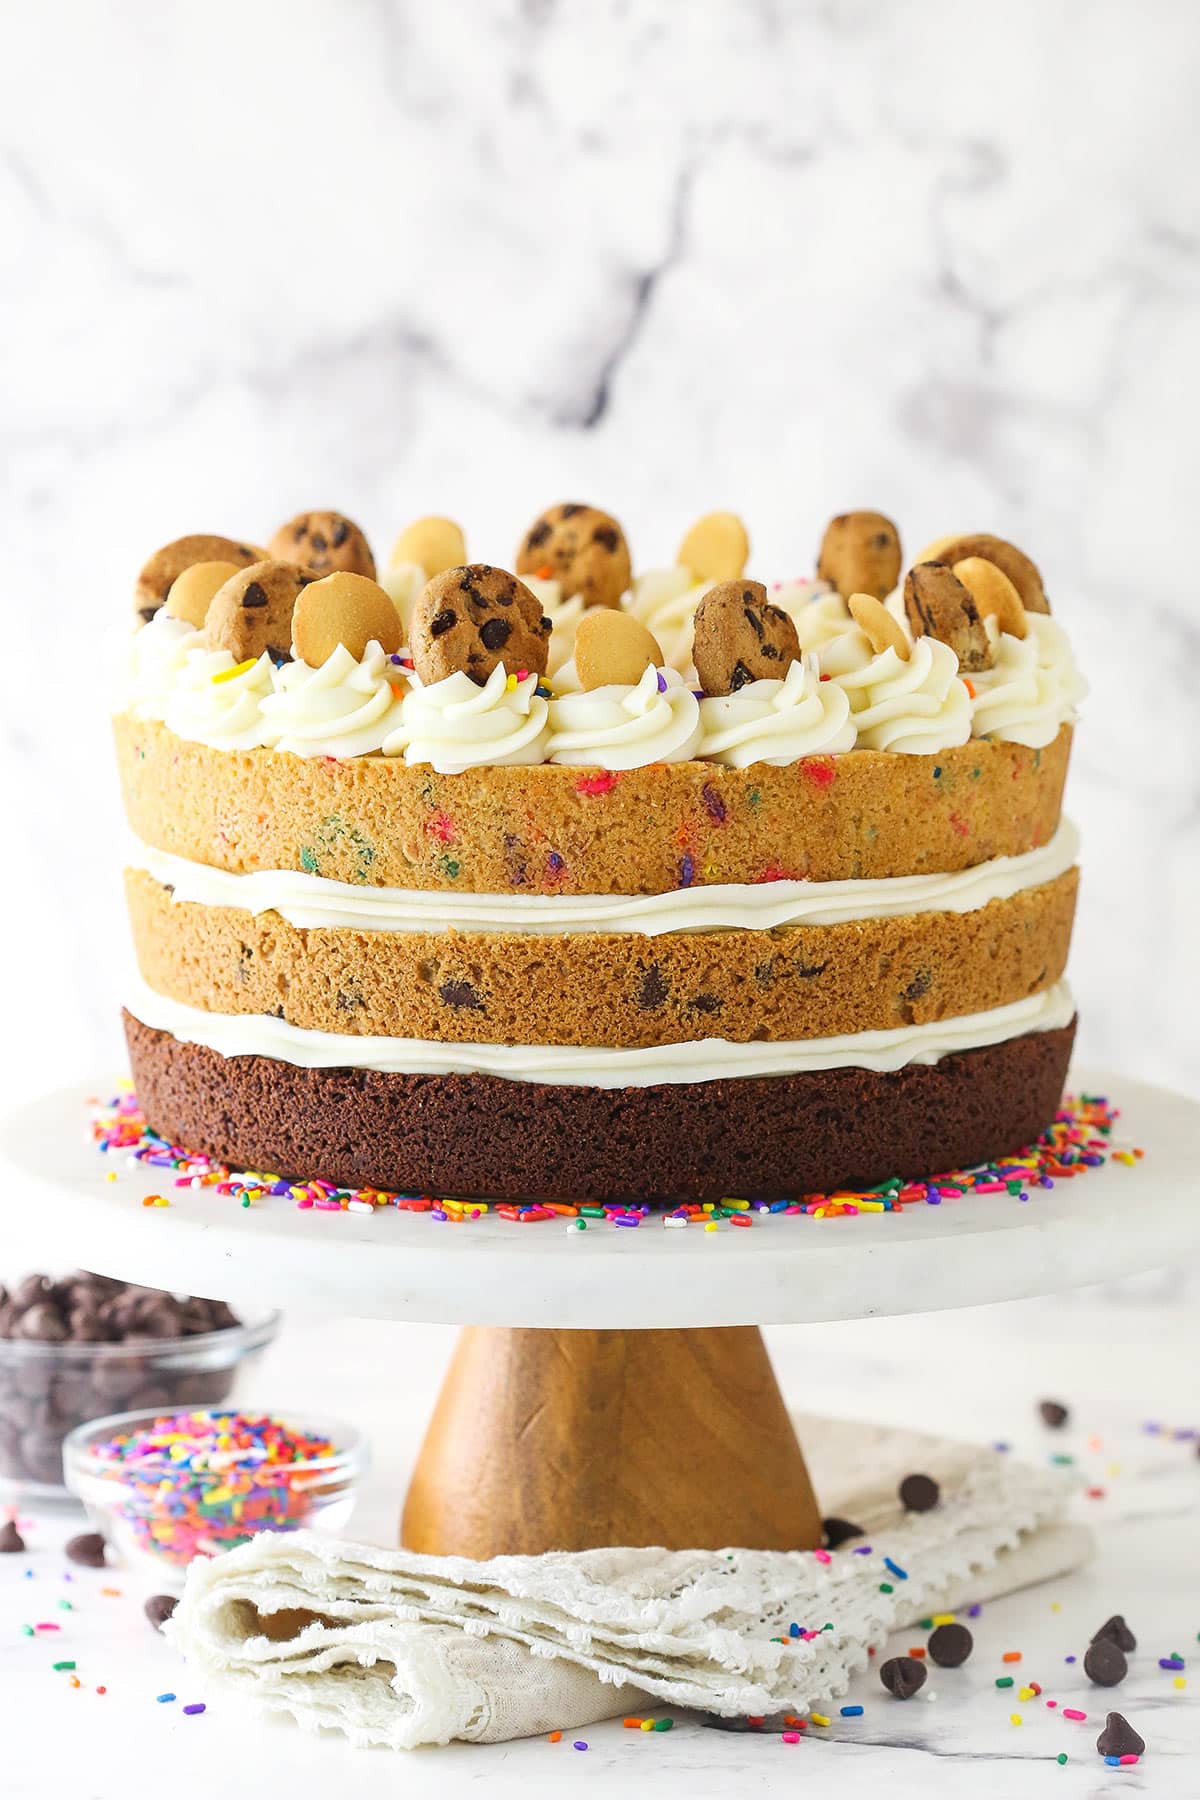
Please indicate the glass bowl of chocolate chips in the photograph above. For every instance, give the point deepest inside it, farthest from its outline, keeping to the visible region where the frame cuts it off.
(82, 1346)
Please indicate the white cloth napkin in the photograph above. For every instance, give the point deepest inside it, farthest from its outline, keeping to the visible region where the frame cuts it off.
(400, 1650)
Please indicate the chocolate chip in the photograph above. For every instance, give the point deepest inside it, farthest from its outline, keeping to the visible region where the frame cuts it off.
(571, 508)
(751, 616)
(538, 535)
(652, 990)
(341, 532)
(1054, 1414)
(950, 1645)
(41, 1324)
(317, 540)
(606, 537)
(159, 1608)
(837, 1532)
(919, 1493)
(87, 1548)
(918, 986)
(460, 994)
(442, 622)
(11, 1541)
(1119, 1738)
(1104, 1663)
(740, 676)
(1117, 1632)
(495, 634)
(903, 1676)
(255, 595)
(707, 1003)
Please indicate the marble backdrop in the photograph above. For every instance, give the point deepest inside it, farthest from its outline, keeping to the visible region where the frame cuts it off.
(784, 256)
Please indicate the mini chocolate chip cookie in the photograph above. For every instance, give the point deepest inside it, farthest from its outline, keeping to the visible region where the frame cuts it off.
(582, 548)
(164, 568)
(741, 637)
(323, 542)
(1020, 569)
(347, 609)
(253, 611)
(860, 554)
(475, 618)
(937, 605)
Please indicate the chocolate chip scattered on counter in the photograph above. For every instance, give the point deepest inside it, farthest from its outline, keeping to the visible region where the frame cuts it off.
(837, 1532)
(902, 1676)
(1117, 1632)
(87, 1548)
(159, 1608)
(1054, 1414)
(1119, 1738)
(950, 1645)
(1105, 1663)
(919, 1493)
(11, 1541)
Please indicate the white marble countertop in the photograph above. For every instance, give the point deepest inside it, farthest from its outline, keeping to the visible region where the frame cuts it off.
(1118, 1361)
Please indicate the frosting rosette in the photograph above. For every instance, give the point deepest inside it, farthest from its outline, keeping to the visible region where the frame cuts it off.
(916, 707)
(218, 702)
(777, 721)
(157, 653)
(344, 708)
(816, 610)
(564, 617)
(1033, 687)
(658, 721)
(455, 724)
(402, 583)
(665, 602)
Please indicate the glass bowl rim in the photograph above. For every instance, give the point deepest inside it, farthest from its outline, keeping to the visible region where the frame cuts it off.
(248, 1334)
(351, 1456)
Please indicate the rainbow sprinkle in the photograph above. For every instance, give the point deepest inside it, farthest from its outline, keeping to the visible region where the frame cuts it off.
(197, 1483)
(1079, 1139)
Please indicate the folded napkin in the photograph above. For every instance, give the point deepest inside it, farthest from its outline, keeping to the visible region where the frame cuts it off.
(397, 1649)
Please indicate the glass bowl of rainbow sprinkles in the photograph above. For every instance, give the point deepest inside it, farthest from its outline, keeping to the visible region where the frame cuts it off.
(164, 1488)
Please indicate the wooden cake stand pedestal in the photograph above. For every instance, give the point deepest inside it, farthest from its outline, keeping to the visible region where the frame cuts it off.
(611, 1386)
(571, 1440)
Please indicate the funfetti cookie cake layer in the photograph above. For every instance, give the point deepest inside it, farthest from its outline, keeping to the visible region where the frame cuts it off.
(580, 884)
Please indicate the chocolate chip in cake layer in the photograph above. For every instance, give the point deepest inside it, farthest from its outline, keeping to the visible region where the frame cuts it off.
(837, 1532)
(902, 1676)
(1105, 1663)
(950, 1645)
(919, 1493)
(1054, 1414)
(87, 1549)
(1117, 1632)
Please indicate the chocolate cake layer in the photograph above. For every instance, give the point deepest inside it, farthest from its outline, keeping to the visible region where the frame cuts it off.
(479, 1135)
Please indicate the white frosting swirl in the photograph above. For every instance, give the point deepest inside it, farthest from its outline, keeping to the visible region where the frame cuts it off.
(564, 617)
(777, 721)
(455, 724)
(658, 721)
(1032, 688)
(917, 707)
(569, 1065)
(816, 610)
(157, 652)
(219, 702)
(402, 583)
(665, 601)
(344, 708)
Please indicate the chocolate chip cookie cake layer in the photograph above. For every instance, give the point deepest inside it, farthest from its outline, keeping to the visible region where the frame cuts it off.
(667, 886)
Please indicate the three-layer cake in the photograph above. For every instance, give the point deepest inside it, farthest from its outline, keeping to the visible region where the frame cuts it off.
(752, 894)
